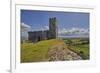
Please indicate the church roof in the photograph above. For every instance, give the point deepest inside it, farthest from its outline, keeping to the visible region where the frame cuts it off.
(23, 25)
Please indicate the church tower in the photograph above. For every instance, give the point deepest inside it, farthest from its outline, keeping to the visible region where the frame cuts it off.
(53, 28)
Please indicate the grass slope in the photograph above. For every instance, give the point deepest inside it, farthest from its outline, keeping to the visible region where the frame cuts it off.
(79, 46)
(37, 52)
(82, 48)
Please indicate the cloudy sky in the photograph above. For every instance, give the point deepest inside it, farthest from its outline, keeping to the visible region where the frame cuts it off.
(68, 22)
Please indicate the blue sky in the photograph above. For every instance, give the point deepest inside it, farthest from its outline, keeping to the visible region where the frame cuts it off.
(67, 21)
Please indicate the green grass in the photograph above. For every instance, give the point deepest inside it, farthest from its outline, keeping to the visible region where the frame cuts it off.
(80, 46)
(37, 52)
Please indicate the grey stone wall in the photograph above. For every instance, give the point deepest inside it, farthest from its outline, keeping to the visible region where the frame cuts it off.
(35, 36)
(53, 27)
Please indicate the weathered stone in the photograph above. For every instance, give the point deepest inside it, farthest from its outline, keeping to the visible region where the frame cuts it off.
(60, 53)
(52, 33)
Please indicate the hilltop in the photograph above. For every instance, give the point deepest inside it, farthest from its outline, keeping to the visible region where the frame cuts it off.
(47, 50)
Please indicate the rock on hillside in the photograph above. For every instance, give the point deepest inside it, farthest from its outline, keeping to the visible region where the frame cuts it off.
(60, 52)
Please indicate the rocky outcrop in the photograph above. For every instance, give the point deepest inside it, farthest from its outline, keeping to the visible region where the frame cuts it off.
(60, 52)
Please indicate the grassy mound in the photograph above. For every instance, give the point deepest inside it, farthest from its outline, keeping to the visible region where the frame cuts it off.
(38, 52)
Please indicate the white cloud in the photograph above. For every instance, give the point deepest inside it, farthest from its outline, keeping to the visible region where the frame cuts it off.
(73, 30)
(61, 31)
(45, 27)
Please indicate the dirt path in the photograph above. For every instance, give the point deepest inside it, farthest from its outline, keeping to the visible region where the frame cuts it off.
(60, 52)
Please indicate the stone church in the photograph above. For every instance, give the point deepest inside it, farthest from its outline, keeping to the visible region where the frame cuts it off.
(52, 33)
